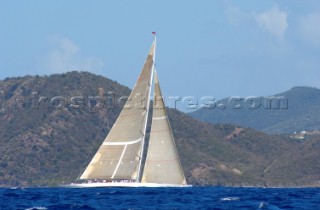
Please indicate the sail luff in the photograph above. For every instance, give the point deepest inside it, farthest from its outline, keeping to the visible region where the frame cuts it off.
(147, 109)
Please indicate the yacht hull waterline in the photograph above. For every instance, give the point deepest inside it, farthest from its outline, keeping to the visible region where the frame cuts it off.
(122, 184)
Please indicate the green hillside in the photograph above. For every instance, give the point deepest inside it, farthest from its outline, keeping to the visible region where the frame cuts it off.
(50, 142)
(298, 110)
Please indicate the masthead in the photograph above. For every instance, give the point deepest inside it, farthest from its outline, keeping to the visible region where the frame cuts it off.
(154, 34)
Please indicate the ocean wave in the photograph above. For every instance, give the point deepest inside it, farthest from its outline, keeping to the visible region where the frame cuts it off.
(37, 208)
(230, 199)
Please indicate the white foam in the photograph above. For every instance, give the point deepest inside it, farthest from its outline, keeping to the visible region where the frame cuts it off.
(262, 205)
(230, 199)
(37, 208)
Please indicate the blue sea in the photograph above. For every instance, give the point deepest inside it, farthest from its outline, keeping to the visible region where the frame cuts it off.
(160, 198)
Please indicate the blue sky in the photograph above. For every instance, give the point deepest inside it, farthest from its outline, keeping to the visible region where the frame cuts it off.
(213, 48)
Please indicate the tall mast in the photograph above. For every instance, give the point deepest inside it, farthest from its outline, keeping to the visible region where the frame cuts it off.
(147, 110)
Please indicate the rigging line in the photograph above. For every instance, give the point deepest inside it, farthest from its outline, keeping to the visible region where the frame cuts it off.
(154, 64)
(138, 156)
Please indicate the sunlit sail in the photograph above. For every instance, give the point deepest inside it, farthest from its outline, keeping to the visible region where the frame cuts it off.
(117, 163)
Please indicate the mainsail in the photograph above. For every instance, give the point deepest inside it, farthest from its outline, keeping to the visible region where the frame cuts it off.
(119, 157)
(162, 163)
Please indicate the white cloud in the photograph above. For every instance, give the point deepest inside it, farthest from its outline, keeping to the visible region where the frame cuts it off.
(274, 21)
(309, 27)
(64, 55)
(68, 46)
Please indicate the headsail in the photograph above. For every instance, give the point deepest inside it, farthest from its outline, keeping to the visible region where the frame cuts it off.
(119, 156)
(162, 163)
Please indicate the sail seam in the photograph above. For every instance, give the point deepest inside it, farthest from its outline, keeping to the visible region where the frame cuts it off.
(121, 143)
(117, 167)
(159, 118)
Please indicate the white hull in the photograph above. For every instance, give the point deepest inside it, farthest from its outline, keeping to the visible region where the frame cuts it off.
(123, 184)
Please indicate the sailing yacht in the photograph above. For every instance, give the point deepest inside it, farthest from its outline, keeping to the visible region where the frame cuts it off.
(118, 161)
